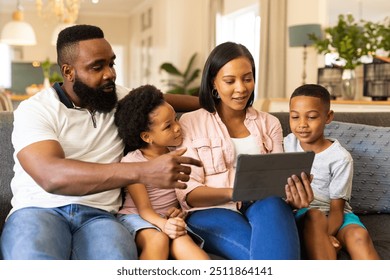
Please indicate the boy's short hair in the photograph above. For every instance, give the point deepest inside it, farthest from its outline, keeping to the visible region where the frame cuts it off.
(313, 90)
(132, 114)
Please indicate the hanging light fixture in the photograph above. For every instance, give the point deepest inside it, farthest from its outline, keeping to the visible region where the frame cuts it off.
(18, 32)
(57, 30)
(63, 10)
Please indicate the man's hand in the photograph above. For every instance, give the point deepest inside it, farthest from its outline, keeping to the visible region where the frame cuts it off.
(175, 227)
(169, 170)
(299, 193)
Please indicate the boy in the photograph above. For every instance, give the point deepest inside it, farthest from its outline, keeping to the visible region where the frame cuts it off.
(328, 223)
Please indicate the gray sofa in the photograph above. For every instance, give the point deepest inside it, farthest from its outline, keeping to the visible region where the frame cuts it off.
(365, 135)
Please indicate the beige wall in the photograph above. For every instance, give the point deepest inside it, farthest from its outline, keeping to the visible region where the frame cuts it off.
(179, 28)
(303, 12)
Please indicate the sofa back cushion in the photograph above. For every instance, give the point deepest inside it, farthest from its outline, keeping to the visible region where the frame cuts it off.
(370, 148)
(6, 164)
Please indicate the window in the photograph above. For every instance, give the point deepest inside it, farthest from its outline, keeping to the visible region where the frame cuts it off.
(242, 26)
(5, 66)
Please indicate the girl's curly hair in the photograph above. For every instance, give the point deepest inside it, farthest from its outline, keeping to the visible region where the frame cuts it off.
(132, 114)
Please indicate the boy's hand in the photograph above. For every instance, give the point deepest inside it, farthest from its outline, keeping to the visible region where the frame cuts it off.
(175, 227)
(299, 194)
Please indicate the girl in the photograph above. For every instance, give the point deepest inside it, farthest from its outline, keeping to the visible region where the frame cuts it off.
(148, 126)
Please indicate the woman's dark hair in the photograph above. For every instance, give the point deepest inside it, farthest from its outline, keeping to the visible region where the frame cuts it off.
(218, 57)
(313, 90)
(132, 114)
(69, 38)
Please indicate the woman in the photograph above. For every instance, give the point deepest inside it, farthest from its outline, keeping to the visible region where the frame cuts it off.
(225, 126)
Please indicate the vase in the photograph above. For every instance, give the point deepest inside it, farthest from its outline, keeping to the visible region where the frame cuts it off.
(46, 82)
(348, 83)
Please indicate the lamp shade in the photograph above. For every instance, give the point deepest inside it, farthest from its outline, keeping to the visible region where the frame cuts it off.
(298, 34)
(17, 32)
(57, 30)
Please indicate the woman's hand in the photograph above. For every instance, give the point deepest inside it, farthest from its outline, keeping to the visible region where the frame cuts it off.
(299, 194)
(175, 227)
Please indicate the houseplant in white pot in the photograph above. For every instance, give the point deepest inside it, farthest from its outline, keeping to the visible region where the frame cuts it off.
(347, 39)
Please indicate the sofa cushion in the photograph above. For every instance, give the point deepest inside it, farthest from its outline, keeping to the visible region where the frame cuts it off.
(370, 148)
(6, 164)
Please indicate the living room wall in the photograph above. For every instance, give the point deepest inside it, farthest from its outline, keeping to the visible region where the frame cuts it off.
(178, 29)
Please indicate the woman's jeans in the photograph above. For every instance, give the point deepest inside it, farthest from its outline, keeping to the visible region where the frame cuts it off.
(266, 230)
(69, 232)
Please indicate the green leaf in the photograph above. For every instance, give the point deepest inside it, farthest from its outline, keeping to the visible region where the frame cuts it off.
(181, 81)
(193, 77)
(189, 66)
(170, 68)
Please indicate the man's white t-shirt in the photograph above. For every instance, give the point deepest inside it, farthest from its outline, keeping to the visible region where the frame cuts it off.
(44, 117)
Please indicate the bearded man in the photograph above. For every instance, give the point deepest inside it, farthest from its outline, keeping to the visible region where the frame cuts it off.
(68, 178)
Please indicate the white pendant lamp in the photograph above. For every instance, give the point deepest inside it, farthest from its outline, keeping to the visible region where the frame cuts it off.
(57, 30)
(18, 32)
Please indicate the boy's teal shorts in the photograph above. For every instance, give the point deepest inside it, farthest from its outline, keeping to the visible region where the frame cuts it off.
(349, 218)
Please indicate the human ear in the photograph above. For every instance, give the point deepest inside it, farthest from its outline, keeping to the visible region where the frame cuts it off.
(145, 136)
(329, 117)
(68, 72)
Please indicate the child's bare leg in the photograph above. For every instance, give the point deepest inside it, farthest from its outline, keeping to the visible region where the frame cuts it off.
(358, 242)
(316, 237)
(153, 244)
(184, 248)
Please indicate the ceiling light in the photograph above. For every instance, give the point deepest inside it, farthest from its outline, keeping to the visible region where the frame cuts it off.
(64, 10)
(18, 32)
(57, 30)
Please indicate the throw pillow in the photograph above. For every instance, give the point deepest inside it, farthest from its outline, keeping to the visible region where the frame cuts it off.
(370, 150)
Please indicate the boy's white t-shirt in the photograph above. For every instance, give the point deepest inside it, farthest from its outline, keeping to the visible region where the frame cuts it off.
(44, 117)
(332, 171)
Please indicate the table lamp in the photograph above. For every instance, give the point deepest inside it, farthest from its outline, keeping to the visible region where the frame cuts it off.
(299, 37)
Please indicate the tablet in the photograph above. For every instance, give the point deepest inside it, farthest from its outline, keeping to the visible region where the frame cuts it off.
(262, 175)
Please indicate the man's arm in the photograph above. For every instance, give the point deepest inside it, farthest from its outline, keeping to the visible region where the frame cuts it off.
(182, 103)
(45, 162)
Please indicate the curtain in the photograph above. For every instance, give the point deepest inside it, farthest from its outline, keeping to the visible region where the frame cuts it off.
(273, 34)
(215, 10)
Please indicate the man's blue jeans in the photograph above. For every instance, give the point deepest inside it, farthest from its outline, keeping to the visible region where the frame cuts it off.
(69, 232)
(266, 230)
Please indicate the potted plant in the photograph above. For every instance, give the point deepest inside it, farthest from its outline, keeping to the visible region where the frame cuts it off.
(46, 65)
(181, 82)
(352, 40)
(49, 76)
(377, 37)
(345, 38)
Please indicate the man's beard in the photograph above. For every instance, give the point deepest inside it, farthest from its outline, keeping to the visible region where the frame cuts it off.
(96, 99)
